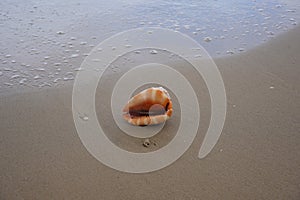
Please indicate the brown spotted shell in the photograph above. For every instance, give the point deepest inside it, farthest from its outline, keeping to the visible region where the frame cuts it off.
(151, 106)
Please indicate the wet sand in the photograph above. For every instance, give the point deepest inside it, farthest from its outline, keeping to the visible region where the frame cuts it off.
(256, 157)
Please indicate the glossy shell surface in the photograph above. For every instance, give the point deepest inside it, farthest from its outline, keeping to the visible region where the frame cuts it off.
(151, 106)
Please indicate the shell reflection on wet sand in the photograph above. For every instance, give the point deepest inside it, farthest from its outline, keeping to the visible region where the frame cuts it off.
(149, 107)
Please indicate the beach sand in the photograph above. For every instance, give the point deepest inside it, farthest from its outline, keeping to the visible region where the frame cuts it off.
(256, 157)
